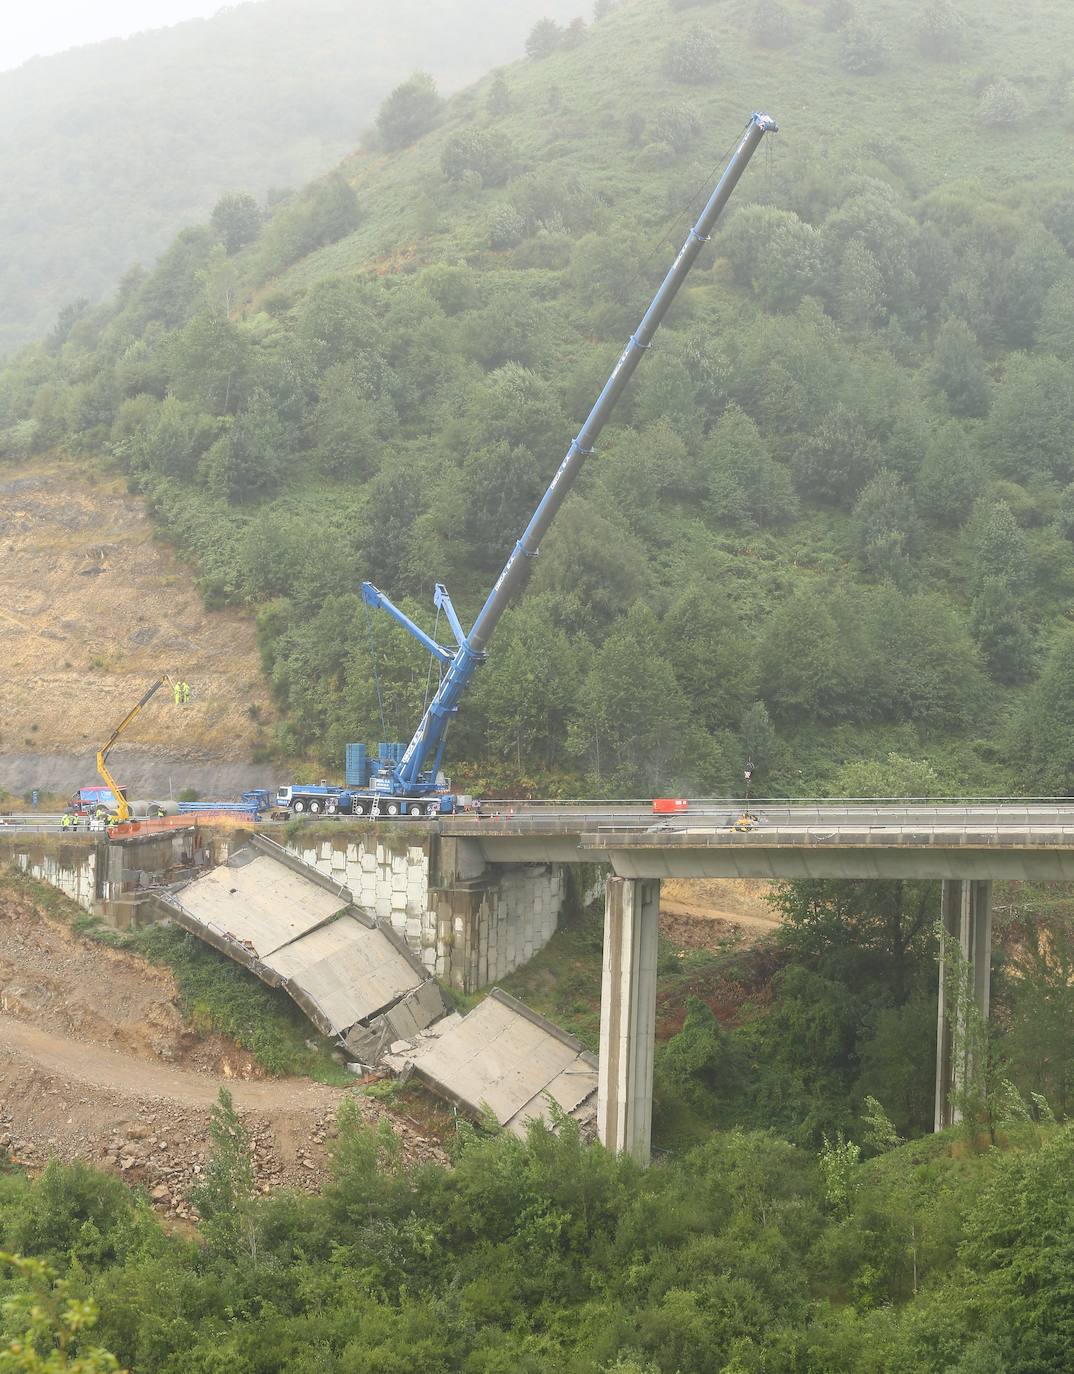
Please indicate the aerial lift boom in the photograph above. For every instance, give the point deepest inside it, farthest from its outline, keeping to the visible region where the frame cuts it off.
(415, 774)
(123, 811)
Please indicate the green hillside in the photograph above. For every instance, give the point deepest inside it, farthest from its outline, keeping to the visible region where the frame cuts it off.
(110, 149)
(833, 521)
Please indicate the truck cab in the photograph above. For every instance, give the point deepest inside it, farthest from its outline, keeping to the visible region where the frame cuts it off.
(314, 799)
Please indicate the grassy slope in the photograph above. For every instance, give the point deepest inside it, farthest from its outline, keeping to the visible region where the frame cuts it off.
(216, 996)
(917, 120)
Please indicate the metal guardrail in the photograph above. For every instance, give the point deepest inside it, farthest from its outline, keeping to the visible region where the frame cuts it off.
(878, 819)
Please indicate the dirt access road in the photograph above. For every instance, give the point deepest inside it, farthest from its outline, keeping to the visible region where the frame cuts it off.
(706, 913)
(97, 1064)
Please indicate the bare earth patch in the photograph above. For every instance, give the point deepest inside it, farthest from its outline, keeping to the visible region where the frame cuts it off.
(92, 609)
(705, 913)
(96, 1064)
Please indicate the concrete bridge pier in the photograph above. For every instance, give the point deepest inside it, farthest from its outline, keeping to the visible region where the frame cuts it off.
(628, 1016)
(966, 919)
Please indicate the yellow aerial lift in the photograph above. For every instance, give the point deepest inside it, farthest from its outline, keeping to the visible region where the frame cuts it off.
(123, 811)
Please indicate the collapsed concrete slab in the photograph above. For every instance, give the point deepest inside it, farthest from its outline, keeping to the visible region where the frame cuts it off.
(505, 1059)
(297, 930)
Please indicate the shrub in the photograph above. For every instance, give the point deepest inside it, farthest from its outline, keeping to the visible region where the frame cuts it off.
(544, 38)
(838, 14)
(941, 32)
(409, 111)
(498, 102)
(692, 57)
(770, 25)
(864, 49)
(488, 155)
(506, 227)
(1002, 105)
(676, 125)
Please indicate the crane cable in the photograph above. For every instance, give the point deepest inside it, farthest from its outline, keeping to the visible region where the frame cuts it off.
(429, 675)
(376, 668)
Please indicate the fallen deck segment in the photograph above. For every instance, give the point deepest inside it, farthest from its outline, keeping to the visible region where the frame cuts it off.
(259, 903)
(503, 1058)
(295, 929)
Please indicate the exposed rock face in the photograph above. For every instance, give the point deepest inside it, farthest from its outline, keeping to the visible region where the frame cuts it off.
(92, 609)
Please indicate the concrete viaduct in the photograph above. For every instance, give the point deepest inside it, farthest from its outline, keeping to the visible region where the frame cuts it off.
(965, 847)
(481, 877)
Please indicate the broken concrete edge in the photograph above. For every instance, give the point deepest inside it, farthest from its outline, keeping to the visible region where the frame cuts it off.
(480, 1112)
(440, 1089)
(312, 1008)
(360, 914)
(400, 945)
(277, 852)
(549, 1027)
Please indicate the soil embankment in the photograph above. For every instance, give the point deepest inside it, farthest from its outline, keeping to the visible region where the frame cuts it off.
(92, 609)
(705, 913)
(97, 1064)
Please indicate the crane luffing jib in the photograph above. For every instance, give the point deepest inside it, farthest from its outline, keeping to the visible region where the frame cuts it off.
(122, 809)
(416, 772)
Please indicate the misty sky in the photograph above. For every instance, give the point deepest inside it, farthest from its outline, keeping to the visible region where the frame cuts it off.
(48, 26)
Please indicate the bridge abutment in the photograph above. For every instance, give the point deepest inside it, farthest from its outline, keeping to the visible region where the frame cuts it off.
(628, 1016)
(966, 921)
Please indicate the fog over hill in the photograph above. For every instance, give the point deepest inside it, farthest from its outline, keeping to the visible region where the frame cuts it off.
(109, 149)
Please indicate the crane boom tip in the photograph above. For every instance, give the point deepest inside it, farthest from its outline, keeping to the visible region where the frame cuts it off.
(765, 122)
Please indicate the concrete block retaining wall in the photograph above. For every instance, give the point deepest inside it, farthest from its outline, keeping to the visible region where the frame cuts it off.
(468, 927)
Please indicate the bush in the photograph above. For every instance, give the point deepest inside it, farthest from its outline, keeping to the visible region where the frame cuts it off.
(676, 125)
(941, 33)
(237, 219)
(770, 25)
(408, 112)
(838, 14)
(498, 102)
(477, 151)
(693, 56)
(864, 49)
(544, 38)
(1002, 105)
(506, 227)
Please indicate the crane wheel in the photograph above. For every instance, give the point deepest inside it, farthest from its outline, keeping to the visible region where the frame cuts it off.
(392, 809)
(298, 807)
(432, 809)
(315, 808)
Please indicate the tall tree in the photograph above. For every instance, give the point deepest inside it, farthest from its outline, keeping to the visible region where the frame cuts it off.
(410, 111)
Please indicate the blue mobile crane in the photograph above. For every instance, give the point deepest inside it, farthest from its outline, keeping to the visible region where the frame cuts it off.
(406, 780)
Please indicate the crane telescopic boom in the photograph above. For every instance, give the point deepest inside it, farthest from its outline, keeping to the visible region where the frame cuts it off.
(122, 809)
(415, 773)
